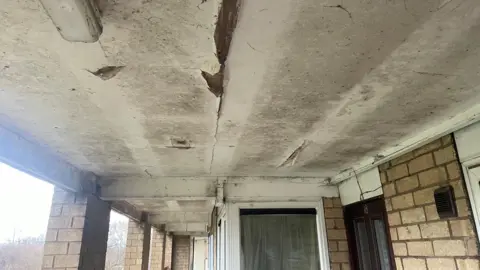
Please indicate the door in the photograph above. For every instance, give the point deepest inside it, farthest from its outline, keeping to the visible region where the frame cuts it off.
(368, 235)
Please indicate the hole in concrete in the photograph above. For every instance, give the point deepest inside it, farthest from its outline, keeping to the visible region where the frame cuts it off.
(180, 143)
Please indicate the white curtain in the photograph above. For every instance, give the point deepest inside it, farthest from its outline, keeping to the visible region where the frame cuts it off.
(279, 242)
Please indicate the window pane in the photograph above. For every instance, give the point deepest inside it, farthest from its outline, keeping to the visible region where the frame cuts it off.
(363, 246)
(279, 242)
(382, 245)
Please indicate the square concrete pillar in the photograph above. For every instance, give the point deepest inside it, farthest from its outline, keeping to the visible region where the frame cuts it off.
(181, 256)
(77, 232)
(137, 253)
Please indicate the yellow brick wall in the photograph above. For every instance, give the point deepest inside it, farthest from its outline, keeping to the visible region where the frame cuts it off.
(181, 252)
(336, 234)
(168, 252)
(134, 246)
(77, 232)
(420, 239)
(156, 250)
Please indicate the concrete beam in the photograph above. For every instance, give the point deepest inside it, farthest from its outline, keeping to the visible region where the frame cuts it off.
(128, 210)
(76, 20)
(30, 158)
(179, 217)
(173, 205)
(186, 228)
(192, 234)
(278, 190)
(168, 189)
(240, 189)
(197, 207)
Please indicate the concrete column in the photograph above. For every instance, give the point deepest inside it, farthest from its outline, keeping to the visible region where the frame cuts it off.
(181, 252)
(137, 253)
(77, 232)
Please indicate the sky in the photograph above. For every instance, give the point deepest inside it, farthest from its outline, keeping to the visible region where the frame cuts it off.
(25, 204)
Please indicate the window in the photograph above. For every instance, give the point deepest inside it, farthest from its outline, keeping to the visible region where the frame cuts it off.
(279, 239)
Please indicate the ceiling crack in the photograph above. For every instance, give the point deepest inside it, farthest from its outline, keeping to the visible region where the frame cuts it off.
(215, 140)
(290, 161)
(226, 22)
(342, 8)
(148, 173)
(434, 74)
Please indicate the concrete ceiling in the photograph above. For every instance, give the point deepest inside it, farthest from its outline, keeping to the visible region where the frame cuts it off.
(310, 87)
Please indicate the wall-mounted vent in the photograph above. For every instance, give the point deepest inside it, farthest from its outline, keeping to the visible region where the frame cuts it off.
(445, 202)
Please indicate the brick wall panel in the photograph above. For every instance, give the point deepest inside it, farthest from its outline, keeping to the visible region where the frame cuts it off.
(181, 252)
(134, 246)
(336, 234)
(70, 241)
(419, 238)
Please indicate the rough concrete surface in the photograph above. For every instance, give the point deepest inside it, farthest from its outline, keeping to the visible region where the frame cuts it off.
(309, 87)
(307, 72)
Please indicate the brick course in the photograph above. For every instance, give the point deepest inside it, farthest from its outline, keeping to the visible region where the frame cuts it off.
(336, 234)
(420, 239)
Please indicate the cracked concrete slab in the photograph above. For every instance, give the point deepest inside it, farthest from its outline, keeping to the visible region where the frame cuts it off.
(305, 71)
(350, 78)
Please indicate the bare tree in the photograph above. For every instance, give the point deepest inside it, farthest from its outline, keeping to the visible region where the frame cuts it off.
(117, 240)
(22, 254)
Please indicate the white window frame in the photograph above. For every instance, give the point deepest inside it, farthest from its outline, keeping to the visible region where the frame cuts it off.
(473, 196)
(222, 239)
(233, 229)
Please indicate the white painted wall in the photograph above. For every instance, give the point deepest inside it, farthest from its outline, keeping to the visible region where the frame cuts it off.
(360, 187)
(468, 142)
(200, 253)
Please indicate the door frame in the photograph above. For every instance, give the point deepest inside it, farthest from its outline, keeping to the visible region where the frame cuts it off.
(233, 228)
(222, 239)
(351, 239)
(473, 197)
